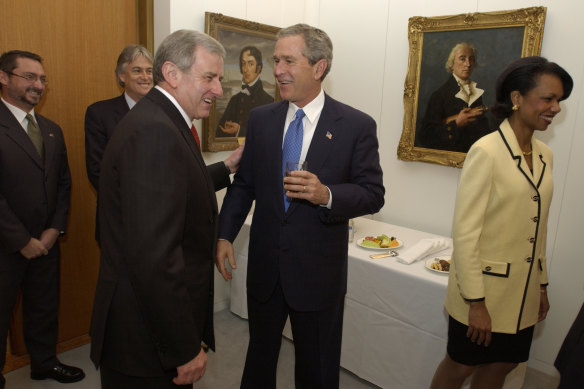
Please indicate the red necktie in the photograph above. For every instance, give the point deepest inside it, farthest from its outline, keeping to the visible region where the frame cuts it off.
(194, 132)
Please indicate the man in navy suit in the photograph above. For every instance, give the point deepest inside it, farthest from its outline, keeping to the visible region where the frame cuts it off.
(298, 257)
(35, 186)
(134, 74)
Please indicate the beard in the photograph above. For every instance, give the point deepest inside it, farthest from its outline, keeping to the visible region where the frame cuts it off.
(32, 96)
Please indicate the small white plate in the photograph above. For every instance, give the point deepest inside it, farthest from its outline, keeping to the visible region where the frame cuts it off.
(430, 261)
(360, 244)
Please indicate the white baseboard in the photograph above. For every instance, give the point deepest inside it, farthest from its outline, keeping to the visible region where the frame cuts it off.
(543, 367)
(220, 305)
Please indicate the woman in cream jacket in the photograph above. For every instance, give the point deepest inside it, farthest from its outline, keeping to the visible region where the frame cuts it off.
(497, 286)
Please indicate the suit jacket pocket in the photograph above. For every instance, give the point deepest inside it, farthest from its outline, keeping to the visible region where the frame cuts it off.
(495, 268)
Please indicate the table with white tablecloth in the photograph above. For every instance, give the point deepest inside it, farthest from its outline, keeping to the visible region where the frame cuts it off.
(395, 325)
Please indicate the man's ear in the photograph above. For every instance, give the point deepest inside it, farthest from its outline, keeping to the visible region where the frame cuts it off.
(3, 78)
(319, 69)
(171, 74)
(122, 77)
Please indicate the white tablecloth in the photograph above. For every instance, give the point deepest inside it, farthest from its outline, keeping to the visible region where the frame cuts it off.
(395, 325)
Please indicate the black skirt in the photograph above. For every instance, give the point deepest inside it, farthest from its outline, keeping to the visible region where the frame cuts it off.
(513, 348)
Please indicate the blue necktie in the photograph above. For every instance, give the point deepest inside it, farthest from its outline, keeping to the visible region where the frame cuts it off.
(292, 146)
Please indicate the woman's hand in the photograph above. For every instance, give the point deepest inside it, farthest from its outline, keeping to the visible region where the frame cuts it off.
(544, 305)
(479, 323)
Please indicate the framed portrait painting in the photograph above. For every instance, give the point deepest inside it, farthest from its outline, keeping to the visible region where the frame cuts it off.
(248, 78)
(453, 66)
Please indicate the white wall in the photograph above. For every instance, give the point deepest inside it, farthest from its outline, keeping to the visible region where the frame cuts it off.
(369, 69)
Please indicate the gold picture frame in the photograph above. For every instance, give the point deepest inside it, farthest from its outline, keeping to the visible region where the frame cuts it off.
(499, 38)
(237, 35)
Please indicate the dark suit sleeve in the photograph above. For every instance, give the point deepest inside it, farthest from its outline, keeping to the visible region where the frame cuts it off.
(219, 174)
(363, 193)
(152, 241)
(95, 142)
(13, 234)
(240, 194)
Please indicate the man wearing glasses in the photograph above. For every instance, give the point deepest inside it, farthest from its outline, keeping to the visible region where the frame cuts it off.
(35, 187)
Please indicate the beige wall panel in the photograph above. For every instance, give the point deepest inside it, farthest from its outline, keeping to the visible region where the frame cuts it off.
(79, 42)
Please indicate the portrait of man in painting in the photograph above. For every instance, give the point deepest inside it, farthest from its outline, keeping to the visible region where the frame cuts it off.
(457, 83)
(251, 94)
(248, 81)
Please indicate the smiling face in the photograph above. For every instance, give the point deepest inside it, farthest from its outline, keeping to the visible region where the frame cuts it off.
(298, 80)
(464, 63)
(197, 88)
(137, 77)
(22, 93)
(538, 107)
(249, 67)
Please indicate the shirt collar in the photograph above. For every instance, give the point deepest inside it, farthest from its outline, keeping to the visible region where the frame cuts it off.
(312, 110)
(18, 113)
(177, 105)
(461, 81)
(129, 100)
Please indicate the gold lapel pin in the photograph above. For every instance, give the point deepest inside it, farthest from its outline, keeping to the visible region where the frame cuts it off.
(329, 135)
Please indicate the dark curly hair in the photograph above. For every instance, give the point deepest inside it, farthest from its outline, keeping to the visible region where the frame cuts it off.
(523, 75)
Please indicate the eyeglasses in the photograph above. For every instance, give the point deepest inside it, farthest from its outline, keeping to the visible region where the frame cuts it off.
(30, 77)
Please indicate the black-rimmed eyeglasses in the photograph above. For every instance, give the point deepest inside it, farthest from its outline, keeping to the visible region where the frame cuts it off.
(30, 77)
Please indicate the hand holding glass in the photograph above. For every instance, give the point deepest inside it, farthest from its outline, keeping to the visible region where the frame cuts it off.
(295, 165)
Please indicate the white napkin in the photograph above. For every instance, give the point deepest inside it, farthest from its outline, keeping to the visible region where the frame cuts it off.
(422, 249)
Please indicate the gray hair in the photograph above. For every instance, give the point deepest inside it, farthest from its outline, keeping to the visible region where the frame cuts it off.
(130, 53)
(180, 47)
(317, 44)
(458, 46)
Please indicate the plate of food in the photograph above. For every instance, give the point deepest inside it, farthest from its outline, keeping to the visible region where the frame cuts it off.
(439, 264)
(380, 243)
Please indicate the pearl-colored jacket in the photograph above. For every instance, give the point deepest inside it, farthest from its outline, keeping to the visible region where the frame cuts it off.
(500, 228)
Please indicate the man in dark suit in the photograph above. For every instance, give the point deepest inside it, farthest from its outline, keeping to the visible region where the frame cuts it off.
(134, 74)
(455, 114)
(35, 185)
(158, 217)
(233, 123)
(298, 242)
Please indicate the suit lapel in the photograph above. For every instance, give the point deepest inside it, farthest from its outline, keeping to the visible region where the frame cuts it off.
(48, 140)
(271, 142)
(185, 132)
(121, 107)
(325, 135)
(539, 164)
(15, 132)
(510, 140)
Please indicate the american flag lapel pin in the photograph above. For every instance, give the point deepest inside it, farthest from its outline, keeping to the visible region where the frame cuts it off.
(329, 135)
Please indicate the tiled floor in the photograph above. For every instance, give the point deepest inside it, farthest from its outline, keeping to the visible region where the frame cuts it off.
(224, 368)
